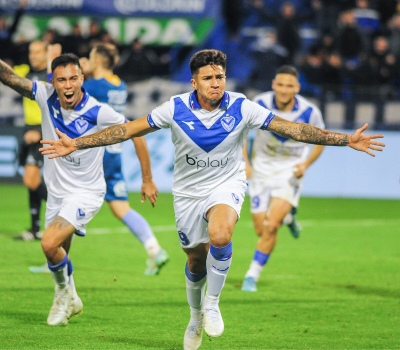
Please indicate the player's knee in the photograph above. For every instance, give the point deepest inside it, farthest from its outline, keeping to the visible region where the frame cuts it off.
(270, 227)
(220, 237)
(32, 183)
(49, 247)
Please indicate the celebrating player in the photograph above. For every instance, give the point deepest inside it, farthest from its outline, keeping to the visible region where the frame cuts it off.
(208, 127)
(277, 169)
(75, 184)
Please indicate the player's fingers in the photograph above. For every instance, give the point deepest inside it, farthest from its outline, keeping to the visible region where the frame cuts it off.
(47, 142)
(364, 127)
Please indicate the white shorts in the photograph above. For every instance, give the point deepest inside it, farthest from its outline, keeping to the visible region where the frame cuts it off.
(77, 209)
(282, 185)
(190, 213)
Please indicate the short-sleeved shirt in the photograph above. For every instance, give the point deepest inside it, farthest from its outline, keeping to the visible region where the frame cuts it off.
(80, 171)
(273, 153)
(208, 144)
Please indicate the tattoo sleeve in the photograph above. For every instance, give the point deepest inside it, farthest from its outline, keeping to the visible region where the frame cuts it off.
(307, 133)
(8, 77)
(108, 136)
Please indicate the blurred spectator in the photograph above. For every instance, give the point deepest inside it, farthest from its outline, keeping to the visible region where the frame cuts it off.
(6, 33)
(394, 34)
(332, 75)
(327, 13)
(50, 36)
(367, 17)
(311, 72)
(75, 43)
(350, 42)
(287, 25)
(378, 70)
(137, 62)
(267, 55)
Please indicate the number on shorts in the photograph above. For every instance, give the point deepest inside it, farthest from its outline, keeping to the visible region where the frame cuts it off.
(255, 202)
(183, 238)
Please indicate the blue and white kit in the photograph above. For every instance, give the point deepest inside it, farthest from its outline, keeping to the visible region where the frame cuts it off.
(208, 161)
(78, 175)
(274, 156)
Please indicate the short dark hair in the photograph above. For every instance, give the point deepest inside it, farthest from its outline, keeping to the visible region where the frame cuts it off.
(109, 53)
(64, 60)
(287, 69)
(206, 57)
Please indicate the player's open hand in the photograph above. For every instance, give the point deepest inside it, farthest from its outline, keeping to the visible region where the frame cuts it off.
(58, 148)
(365, 143)
(149, 190)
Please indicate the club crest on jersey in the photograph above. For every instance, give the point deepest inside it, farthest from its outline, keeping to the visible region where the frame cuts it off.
(81, 125)
(228, 123)
(235, 198)
(80, 214)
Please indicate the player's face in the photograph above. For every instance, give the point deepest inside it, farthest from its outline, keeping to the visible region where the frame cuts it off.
(285, 87)
(210, 84)
(68, 82)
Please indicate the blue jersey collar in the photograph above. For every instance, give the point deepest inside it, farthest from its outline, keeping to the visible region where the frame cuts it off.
(84, 100)
(295, 106)
(194, 103)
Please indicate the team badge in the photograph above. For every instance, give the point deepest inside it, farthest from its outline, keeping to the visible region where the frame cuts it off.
(81, 125)
(228, 123)
(235, 198)
(80, 214)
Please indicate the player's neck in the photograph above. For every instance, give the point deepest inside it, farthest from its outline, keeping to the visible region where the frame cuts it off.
(102, 73)
(285, 107)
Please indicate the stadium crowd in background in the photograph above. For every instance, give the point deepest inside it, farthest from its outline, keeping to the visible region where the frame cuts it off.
(342, 41)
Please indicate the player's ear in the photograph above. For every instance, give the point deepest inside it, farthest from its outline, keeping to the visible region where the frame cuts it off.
(298, 88)
(193, 82)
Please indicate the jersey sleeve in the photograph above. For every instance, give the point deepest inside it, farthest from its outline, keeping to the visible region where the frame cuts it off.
(316, 118)
(161, 116)
(256, 115)
(108, 116)
(41, 91)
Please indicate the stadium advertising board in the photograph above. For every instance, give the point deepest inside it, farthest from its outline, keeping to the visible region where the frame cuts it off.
(152, 31)
(151, 8)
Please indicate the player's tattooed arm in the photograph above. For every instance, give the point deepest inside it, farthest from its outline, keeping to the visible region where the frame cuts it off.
(108, 136)
(8, 77)
(307, 133)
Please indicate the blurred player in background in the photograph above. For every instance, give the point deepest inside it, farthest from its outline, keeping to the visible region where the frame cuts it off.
(108, 88)
(29, 156)
(76, 185)
(208, 127)
(277, 169)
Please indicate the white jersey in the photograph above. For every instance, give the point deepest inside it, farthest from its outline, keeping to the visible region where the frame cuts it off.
(208, 144)
(273, 153)
(81, 171)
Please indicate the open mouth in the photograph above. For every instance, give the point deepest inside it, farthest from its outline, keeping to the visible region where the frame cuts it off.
(69, 96)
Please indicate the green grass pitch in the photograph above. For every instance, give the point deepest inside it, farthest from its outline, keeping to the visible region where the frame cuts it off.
(336, 287)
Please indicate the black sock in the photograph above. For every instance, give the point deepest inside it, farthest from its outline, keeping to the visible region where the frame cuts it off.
(35, 202)
(42, 190)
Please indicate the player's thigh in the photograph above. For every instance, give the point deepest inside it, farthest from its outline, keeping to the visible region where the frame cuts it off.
(259, 191)
(277, 210)
(191, 223)
(77, 209)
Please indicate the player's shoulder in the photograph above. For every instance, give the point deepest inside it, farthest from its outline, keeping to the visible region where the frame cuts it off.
(305, 103)
(263, 96)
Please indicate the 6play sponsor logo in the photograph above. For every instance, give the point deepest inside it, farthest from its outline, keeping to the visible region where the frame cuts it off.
(206, 163)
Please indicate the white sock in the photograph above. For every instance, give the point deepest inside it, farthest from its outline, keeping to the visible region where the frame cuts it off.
(71, 283)
(152, 247)
(254, 270)
(217, 271)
